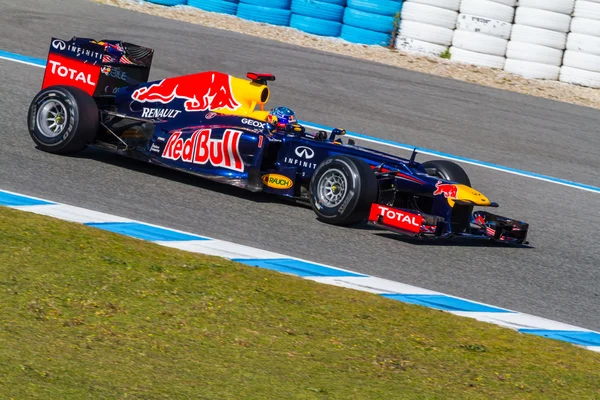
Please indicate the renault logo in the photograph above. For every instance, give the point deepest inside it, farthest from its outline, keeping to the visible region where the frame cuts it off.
(59, 44)
(305, 152)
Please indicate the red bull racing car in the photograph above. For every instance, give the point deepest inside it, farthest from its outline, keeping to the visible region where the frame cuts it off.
(213, 125)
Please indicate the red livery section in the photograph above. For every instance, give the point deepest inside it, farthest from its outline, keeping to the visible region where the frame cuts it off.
(201, 149)
(396, 218)
(204, 91)
(66, 71)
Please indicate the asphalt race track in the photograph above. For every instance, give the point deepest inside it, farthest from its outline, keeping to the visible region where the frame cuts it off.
(558, 277)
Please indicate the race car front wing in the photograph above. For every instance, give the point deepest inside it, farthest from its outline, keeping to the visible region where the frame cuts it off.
(483, 225)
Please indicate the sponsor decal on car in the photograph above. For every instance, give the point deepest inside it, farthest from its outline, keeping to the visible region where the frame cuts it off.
(254, 123)
(210, 115)
(77, 51)
(299, 163)
(304, 152)
(114, 72)
(159, 113)
(77, 75)
(447, 189)
(201, 149)
(112, 90)
(155, 148)
(396, 218)
(277, 181)
(201, 92)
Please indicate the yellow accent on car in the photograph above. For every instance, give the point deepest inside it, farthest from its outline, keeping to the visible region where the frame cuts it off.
(250, 95)
(466, 193)
(277, 181)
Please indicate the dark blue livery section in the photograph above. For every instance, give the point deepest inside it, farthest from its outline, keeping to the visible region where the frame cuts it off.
(216, 126)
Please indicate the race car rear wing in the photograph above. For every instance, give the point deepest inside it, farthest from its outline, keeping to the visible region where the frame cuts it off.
(100, 68)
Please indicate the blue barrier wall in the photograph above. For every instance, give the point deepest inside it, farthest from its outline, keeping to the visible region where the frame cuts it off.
(359, 21)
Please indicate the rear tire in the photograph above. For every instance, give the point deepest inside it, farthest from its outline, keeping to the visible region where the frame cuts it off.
(342, 190)
(447, 170)
(63, 119)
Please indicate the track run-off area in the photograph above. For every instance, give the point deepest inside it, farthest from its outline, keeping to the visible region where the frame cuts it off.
(538, 158)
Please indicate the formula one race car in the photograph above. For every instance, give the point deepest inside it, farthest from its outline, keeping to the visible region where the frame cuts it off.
(215, 126)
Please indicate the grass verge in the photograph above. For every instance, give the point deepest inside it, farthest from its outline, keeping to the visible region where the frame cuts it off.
(91, 314)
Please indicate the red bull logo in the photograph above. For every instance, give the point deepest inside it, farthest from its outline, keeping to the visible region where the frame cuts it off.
(201, 92)
(201, 149)
(447, 189)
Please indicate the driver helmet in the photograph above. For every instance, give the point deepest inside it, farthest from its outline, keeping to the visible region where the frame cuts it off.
(281, 117)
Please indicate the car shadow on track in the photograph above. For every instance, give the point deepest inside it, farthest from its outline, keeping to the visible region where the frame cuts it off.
(158, 171)
(452, 242)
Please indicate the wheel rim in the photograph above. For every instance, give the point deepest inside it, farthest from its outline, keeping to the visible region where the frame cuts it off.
(52, 118)
(332, 188)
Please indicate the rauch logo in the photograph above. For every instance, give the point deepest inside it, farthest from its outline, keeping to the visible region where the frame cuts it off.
(277, 181)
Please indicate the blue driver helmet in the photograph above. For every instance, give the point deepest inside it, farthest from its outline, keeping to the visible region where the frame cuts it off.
(280, 117)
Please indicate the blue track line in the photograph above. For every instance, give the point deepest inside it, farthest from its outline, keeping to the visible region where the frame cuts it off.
(38, 62)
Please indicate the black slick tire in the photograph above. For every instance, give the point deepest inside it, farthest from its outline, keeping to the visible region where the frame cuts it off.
(76, 119)
(356, 186)
(447, 170)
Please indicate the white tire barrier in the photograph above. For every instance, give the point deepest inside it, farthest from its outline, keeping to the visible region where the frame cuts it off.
(534, 53)
(487, 26)
(584, 43)
(539, 36)
(543, 19)
(426, 33)
(532, 70)
(429, 15)
(471, 57)
(409, 45)
(510, 3)
(587, 9)
(488, 9)
(559, 6)
(579, 77)
(480, 43)
(585, 26)
(588, 62)
(447, 4)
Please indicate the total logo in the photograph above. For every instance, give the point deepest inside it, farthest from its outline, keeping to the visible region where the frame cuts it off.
(304, 152)
(152, 113)
(254, 123)
(277, 181)
(396, 218)
(58, 69)
(201, 149)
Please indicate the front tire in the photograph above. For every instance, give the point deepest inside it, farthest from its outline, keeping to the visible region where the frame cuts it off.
(342, 190)
(63, 119)
(447, 170)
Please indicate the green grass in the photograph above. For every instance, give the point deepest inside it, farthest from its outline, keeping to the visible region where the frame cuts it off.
(90, 314)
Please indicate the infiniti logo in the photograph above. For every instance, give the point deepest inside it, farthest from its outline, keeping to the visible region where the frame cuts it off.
(59, 44)
(305, 152)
